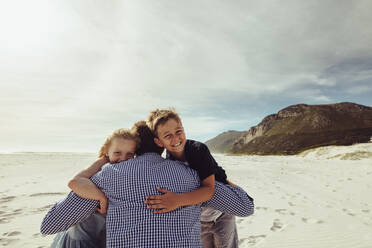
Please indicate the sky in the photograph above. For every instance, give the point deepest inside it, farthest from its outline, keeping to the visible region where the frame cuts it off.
(72, 71)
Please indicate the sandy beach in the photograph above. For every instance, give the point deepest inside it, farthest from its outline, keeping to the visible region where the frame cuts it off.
(321, 198)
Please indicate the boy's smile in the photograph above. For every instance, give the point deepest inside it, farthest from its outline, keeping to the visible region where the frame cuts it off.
(171, 136)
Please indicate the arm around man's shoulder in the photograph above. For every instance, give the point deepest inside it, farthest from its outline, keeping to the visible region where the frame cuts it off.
(232, 200)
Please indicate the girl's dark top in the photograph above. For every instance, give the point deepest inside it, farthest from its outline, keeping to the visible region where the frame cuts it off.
(199, 158)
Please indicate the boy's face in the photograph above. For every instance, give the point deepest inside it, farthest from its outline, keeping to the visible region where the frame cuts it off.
(171, 136)
(121, 150)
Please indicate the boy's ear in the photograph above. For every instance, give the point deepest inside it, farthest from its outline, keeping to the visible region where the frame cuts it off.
(158, 142)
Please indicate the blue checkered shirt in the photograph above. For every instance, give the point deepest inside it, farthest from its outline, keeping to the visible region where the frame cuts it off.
(129, 223)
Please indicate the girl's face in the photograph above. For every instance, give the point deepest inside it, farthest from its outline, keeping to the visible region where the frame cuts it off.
(121, 150)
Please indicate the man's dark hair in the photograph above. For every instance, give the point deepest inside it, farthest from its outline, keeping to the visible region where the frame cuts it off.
(147, 143)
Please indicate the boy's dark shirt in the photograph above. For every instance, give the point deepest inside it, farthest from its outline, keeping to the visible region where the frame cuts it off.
(199, 158)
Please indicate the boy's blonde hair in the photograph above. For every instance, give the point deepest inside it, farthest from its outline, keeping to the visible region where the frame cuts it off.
(128, 134)
(161, 116)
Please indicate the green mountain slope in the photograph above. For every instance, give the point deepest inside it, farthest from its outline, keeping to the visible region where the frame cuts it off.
(224, 141)
(300, 127)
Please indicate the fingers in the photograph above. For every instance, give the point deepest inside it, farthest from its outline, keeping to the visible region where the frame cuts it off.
(162, 211)
(103, 206)
(102, 211)
(154, 197)
(161, 190)
(150, 202)
(156, 206)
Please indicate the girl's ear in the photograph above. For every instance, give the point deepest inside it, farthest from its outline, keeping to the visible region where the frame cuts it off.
(158, 142)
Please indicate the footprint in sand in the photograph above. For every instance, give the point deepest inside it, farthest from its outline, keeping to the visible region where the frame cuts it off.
(252, 240)
(10, 214)
(19, 210)
(4, 220)
(347, 211)
(47, 194)
(277, 225)
(11, 234)
(36, 235)
(7, 216)
(291, 204)
(281, 211)
(47, 207)
(7, 199)
(366, 210)
(259, 208)
(6, 242)
(311, 221)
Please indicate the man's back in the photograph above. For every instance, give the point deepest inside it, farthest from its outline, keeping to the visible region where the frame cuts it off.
(129, 222)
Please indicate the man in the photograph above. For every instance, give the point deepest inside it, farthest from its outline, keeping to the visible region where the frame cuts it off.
(129, 222)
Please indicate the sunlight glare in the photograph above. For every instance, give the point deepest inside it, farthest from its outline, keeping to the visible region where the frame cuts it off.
(26, 24)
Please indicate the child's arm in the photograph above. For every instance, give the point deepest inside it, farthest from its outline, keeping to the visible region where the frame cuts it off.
(170, 201)
(231, 184)
(84, 187)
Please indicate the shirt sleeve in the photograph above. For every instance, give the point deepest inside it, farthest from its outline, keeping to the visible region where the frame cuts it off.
(73, 209)
(99, 178)
(67, 213)
(203, 162)
(231, 200)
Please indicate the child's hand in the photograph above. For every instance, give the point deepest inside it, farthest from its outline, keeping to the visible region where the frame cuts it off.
(104, 160)
(164, 203)
(103, 202)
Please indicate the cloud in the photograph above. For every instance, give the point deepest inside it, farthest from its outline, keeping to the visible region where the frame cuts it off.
(96, 66)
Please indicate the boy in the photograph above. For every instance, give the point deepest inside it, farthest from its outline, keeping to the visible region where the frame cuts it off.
(218, 229)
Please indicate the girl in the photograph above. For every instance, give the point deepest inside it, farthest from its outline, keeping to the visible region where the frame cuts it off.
(119, 146)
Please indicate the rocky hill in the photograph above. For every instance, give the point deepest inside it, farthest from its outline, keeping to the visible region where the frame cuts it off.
(301, 127)
(223, 143)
